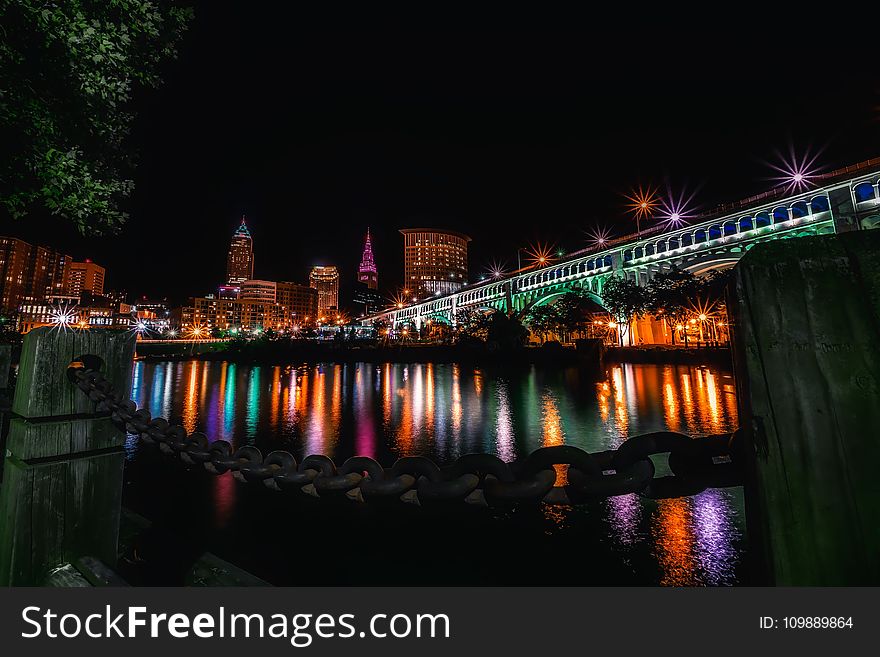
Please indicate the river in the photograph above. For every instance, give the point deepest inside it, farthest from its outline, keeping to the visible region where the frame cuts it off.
(443, 411)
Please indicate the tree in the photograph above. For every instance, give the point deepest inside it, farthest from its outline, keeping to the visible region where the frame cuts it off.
(472, 324)
(672, 295)
(506, 332)
(67, 74)
(543, 320)
(625, 300)
(575, 311)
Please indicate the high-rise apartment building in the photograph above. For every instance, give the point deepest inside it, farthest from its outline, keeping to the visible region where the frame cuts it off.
(434, 261)
(29, 273)
(240, 260)
(367, 273)
(85, 277)
(325, 279)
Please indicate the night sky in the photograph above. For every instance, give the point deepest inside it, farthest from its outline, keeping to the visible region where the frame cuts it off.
(316, 128)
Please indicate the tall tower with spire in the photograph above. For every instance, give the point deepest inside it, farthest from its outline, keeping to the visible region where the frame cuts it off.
(367, 273)
(240, 261)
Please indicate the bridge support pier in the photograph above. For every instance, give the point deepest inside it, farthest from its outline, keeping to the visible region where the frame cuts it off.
(61, 491)
(806, 317)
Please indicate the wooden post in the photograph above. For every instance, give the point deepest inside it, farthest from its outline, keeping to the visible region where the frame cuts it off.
(806, 318)
(61, 493)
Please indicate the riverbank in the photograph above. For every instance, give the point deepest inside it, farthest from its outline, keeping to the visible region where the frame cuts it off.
(587, 353)
(311, 352)
(672, 355)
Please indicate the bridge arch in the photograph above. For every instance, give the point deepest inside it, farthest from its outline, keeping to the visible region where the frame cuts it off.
(820, 204)
(780, 215)
(543, 297)
(864, 192)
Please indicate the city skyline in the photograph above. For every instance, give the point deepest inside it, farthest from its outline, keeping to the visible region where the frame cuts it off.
(543, 147)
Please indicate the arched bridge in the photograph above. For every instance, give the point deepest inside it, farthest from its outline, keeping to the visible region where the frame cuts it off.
(848, 199)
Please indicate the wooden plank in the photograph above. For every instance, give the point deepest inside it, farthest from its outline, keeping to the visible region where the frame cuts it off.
(46, 439)
(807, 355)
(43, 390)
(56, 512)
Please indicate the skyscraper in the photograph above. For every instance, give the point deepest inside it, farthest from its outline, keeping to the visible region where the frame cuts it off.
(85, 277)
(434, 261)
(367, 273)
(326, 281)
(240, 261)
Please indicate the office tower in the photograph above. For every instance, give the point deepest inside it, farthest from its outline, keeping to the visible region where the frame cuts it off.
(325, 279)
(367, 273)
(240, 261)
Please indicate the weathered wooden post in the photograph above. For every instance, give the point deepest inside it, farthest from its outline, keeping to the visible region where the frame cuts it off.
(61, 493)
(806, 316)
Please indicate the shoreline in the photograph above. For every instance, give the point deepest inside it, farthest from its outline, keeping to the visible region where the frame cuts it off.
(557, 355)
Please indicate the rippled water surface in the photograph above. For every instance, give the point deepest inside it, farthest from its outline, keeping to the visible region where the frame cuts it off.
(444, 410)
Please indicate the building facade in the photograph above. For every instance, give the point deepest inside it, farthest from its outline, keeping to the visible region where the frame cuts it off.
(325, 279)
(367, 272)
(30, 273)
(240, 259)
(435, 262)
(255, 290)
(86, 277)
(299, 302)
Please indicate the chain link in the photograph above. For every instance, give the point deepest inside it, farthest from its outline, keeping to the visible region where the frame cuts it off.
(696, 464)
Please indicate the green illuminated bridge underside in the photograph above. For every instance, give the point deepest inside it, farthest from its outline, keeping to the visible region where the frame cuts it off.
(849, 200)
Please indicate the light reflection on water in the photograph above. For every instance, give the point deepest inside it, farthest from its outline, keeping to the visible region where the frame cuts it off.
(445, 410)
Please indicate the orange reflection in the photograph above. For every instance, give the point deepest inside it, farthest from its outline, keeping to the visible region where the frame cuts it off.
(620, 410)
(275, 398)
(456, 403)
(553, 433)
(191, 399)
(674, 542)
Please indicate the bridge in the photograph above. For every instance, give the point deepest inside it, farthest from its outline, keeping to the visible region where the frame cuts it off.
(844, 200)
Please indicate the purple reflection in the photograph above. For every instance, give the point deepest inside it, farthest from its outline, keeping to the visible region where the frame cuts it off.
(624, 516)
(715, 535)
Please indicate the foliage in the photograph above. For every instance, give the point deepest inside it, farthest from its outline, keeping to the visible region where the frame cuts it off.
(677, 295)
(672, 294)
(505, 332)
(625, 300)
(576, 310)
(544, 320)
(471, 324)
(67, 74)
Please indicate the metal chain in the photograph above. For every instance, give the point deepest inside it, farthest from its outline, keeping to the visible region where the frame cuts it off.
(696, 463)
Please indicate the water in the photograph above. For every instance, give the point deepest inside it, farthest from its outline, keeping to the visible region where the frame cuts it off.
(442, 411)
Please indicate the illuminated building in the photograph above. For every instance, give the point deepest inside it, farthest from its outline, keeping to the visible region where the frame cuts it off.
(240, 261)
(29, 273)
(85, 277)
(299, 302)
(254, 290)
(228, 291)
(367, 273)
(435, 261)
(326, 281)
(86, 311)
